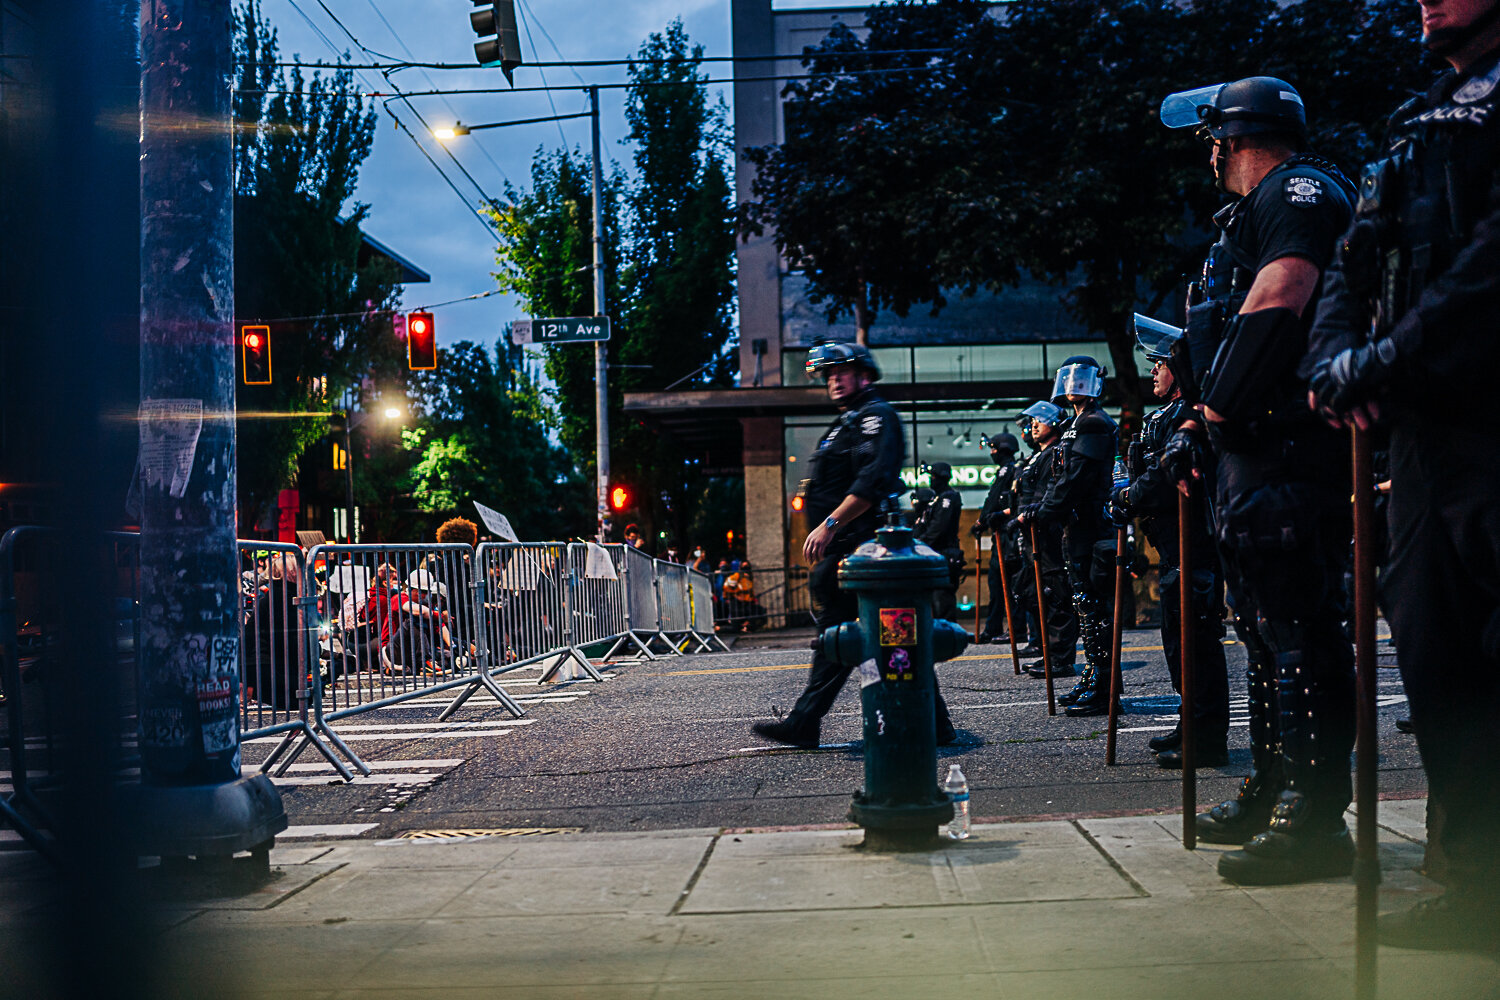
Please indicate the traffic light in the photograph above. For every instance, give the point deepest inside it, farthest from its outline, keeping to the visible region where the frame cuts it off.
(421, 346)
(619, 498)
(255, 354)
(496, 19)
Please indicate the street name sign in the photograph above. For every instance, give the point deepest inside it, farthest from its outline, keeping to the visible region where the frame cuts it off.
(563, 330)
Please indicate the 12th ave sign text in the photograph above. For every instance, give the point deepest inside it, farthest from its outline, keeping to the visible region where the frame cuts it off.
(563, 330)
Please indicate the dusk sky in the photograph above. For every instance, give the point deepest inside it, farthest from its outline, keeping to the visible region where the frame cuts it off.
(412, 209)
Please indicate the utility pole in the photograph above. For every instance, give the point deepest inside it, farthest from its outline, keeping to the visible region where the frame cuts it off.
(193, 800)
(601, 347)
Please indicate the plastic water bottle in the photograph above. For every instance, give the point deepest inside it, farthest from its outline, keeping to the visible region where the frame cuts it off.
(957, 788)
(1119, 477)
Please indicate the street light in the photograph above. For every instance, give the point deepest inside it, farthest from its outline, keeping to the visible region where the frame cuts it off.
(450, 133)
(389, 413)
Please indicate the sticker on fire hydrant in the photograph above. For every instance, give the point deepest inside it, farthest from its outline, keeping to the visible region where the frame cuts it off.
(898, 626)
(869, 673)
(898, 666)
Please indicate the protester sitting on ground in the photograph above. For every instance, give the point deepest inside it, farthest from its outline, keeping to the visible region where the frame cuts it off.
(459, 529)
(422, 641)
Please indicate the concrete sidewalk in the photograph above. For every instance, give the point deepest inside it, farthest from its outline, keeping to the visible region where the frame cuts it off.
(1089, 908)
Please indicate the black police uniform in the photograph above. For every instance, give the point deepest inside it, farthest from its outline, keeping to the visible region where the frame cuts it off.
(938, 528)
(1075, 499)
(1283, 527)
(1434, 271)
(860, 454)
(993, 519)
(1062, 619)
(1152, 496)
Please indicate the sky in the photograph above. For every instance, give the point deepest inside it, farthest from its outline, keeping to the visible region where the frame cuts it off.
(413, 210)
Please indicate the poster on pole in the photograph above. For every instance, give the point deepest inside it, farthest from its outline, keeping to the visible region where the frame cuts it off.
(496, 522)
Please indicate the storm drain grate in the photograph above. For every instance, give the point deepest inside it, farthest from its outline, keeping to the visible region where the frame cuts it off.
(503, 831)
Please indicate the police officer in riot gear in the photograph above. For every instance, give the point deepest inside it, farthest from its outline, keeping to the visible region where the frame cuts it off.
(1280, 478)
(855, 469)
(1043, 425)
(938, 528)
(1075, 499)
(1152, 496)
(921, 499)
(1408, 312)
(993, 519)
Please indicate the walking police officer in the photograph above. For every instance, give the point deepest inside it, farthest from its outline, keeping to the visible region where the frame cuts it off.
(1075, 500)
(1407, 317)
(992, 519)
(1152, 496)
(1044, 426)
(1282, 487)
(938, 528)
(855, 469)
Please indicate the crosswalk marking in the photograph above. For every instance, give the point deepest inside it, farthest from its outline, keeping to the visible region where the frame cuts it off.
(326, 830)
(342, 727)
(386, 778)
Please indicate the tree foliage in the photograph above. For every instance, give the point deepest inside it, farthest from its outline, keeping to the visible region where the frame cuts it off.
(481, 434)
(1032, 145)
(669, 250)
(299, 146)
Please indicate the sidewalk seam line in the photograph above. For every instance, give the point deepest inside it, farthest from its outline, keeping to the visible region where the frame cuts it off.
(1110, 859)
(338, 866)
(692, 881)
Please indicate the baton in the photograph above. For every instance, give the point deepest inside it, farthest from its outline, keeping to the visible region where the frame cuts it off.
(1010, 625)
(1115, 680)
(1186, 668)
(1041, 611)
(1366, 859)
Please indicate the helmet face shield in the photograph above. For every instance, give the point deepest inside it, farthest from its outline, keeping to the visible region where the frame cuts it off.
(1181, 110)
(1154, 338)
(1077, 380)
(1046, 412)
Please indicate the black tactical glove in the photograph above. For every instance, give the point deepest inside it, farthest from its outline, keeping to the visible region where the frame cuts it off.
(1181, 456)
(1353, 376)
(1118, 516)
(1120, 499)
(1031, 511)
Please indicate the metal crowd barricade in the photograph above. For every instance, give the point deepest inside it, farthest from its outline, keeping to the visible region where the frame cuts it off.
(281, 669)
(643, 604)
(701, 605)
(33, 687)
(676, 615)
(596, 599)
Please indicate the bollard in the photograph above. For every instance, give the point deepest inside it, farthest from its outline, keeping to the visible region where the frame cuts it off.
(894, 645)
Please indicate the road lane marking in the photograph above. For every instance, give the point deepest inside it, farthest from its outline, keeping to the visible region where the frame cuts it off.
(327, 830)
(393, 778)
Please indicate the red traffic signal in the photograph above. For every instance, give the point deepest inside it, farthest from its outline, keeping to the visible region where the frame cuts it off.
(619, 498)
(421, 344)
(255, 355)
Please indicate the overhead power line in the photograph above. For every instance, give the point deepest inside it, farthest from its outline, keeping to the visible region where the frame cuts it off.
(576, 63)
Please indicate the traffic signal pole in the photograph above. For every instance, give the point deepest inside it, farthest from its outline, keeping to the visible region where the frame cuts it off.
(193, 800)
(601, 348)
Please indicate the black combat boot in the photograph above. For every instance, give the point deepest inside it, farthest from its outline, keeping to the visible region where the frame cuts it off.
(1082, 689)
(789, 731)
(1166, 741)
(1238, 819)
(1297, 847)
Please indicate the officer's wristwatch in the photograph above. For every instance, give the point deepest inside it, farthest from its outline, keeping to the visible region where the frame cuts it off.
(831, 523)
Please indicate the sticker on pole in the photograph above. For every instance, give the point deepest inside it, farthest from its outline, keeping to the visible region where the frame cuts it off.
(898, 626)
(599, 565)
(869, 673)
(496, 522)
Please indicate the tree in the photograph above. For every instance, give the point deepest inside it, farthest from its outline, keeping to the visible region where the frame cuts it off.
(1032, 145)
(669, 248)
(481, 434)
(299, 146)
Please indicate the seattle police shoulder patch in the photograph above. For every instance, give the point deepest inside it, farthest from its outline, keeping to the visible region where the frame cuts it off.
(871, 424)
(1301, 190)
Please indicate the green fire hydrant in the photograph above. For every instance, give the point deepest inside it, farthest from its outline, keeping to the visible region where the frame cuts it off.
(894, 645)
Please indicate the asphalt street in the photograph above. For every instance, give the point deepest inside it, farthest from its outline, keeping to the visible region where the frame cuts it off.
(666, 744)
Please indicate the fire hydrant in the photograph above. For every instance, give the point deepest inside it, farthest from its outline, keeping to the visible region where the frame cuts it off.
(894, 645)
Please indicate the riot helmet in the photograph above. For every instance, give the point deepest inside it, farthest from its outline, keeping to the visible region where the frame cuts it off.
(1004, 442)
(1155, 339)
(940, 470)
(1080, 375)
(826, 356)
(1245, 107)
(921, 497)
(1042, 410)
